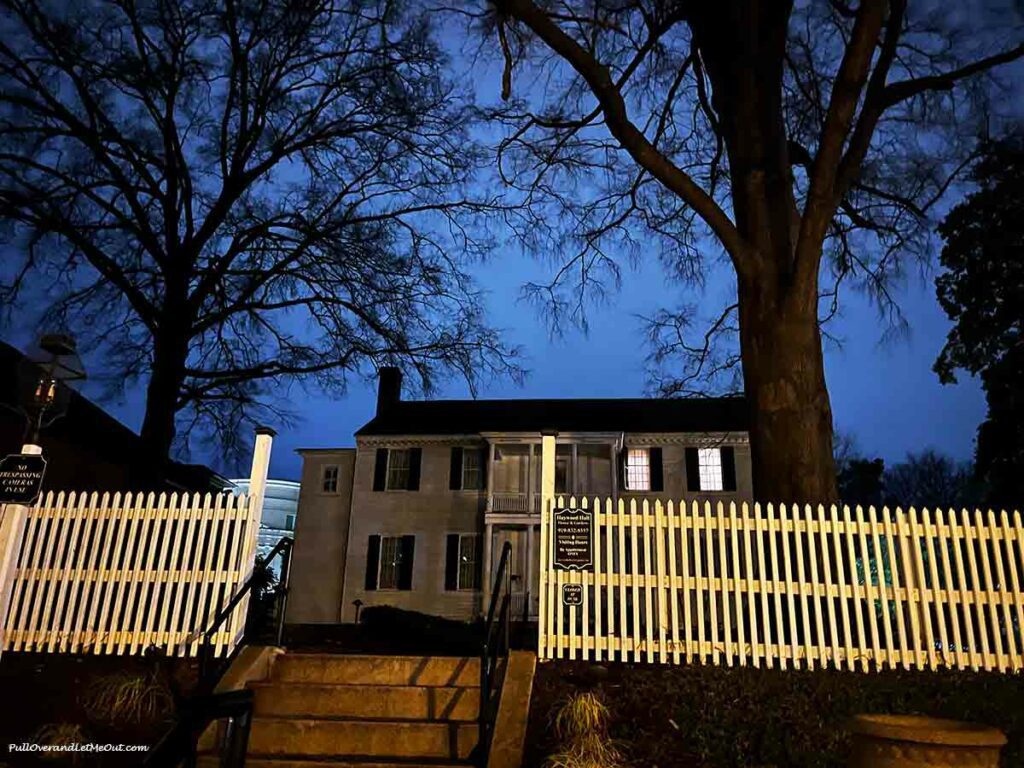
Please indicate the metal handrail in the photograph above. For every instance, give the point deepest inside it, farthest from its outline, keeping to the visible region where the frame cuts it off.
(209, 675)
(495, 646)
(178, 745)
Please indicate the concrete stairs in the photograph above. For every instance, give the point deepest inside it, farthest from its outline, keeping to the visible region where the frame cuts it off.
(320, 710)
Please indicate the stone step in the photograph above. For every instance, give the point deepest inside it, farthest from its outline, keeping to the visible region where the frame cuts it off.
(390, 702)
(287, 737)
(432, 671)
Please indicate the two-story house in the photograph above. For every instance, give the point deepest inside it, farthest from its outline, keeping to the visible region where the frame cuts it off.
(415, 515)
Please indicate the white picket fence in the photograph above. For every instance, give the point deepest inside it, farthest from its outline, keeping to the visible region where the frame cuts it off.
(117, 574)
(799, 587)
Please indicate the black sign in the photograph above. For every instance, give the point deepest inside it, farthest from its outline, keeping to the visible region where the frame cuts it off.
(573, 535)
(572, 594)
(21, 477)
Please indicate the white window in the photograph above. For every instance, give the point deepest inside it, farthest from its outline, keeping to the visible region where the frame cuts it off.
(709, 464)
(390, 562)
(472, 471)
(469, 557)
(398, 470)
(289, 522)
(638, 469)
(330, 478)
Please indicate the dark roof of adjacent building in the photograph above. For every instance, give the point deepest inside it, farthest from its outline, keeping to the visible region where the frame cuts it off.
(462, 417)
(87, 445)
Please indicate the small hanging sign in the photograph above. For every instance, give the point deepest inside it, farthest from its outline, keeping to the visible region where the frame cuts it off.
(572, 594)
(21, 478)
(573, 534)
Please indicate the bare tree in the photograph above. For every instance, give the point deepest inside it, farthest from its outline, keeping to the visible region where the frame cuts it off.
(224, 195)
(810, 140)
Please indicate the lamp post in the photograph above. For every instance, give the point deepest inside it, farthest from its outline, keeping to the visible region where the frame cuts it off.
(47, 372)
(43, 376)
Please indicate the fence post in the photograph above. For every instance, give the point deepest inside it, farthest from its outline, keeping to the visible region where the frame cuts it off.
(547, 495)
(257, 490)
(258, 473)
(12, 532)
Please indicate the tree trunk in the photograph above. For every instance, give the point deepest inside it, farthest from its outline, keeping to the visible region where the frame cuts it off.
(158, 425)
(784, 377)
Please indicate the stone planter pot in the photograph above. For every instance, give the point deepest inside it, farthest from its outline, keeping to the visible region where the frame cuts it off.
(911, 741)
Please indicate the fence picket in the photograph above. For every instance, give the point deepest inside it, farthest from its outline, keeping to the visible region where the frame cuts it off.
(673, 593)
(684, 545)
(734, 540)
(624, 633)
(598, 635)
(945, 543)
(890, 548)
(958, 533)
(609, 554)
(1006, 597)
(982, 537)
(659, 554)
(755, 654)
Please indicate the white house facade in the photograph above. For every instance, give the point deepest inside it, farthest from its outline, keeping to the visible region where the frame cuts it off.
(415, 514)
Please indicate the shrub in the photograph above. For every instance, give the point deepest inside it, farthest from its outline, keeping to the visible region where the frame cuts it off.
(581, 725)
(59, 735)
(128, 697)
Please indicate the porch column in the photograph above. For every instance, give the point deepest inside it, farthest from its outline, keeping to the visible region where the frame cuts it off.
(529, 480)
(547, 494)
(488, 576)
(532, 561)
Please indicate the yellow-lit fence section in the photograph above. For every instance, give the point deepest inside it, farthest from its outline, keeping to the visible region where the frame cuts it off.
(788, 586)
(116, 574)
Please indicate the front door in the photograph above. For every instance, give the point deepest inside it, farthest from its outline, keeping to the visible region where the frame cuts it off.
(518, 567)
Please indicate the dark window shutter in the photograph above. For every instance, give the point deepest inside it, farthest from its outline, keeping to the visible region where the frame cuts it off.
(485, 457)
(407, 545)
(729, 469)
(622, 470)
(380, 469)
(451, 563)
(455, 473)
(414, 468)
(372, 562)
(692, 471)
(657, 473)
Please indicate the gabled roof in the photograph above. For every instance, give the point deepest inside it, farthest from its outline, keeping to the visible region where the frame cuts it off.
(465, 417)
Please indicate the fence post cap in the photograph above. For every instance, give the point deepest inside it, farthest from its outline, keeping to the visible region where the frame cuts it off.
(266, 431)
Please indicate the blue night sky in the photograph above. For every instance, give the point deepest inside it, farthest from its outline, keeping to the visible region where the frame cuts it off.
(883, 391)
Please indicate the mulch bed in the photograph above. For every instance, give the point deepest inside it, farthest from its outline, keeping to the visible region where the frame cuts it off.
(740, 717)
(42, 689)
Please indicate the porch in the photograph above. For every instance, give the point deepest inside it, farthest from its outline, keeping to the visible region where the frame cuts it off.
(584, 465)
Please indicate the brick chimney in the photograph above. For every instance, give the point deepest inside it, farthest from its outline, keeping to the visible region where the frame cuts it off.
(389, 388)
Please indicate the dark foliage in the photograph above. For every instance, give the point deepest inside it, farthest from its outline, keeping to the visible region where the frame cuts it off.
(982, 291)
(860, 481)
(223, 198)
(719, 717)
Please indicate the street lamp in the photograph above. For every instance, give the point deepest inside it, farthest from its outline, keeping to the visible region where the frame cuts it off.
(50, 366)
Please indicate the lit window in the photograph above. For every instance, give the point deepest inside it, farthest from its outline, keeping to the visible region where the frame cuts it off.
(330, 478)
(469, 557)
(709, 464)
(398, 470)
(472, 473)
(638, 469)
(390, 562)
